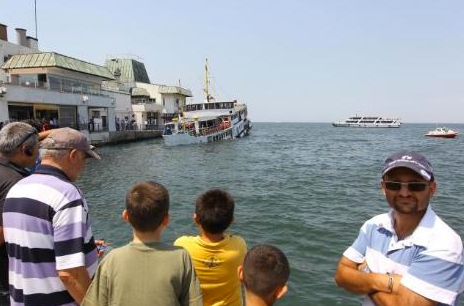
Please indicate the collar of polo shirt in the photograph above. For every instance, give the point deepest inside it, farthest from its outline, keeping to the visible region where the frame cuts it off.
(421, 235)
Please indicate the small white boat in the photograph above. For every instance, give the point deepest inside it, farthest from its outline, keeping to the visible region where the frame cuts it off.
(209, 121)
(369, 122)
(442, 132)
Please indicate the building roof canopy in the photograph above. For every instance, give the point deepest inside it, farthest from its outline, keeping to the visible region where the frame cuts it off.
(139, 92)
(163, 89)
(127, 70)
(52, 59)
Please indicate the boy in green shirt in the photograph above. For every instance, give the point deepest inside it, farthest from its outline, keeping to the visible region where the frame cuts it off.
(264, 273)
(146, 271)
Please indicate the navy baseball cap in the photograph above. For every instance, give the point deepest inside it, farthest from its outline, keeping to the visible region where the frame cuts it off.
(411, 160)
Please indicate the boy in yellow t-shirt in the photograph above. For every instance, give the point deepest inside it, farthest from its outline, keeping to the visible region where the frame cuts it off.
(216, 255)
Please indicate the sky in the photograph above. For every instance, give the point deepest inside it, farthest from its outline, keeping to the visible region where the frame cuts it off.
(289, 61)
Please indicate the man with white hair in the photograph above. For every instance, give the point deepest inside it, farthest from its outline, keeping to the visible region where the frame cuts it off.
(47, 230)
(19, 148)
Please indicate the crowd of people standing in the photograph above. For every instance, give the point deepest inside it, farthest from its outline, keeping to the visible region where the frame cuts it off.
(50, 257)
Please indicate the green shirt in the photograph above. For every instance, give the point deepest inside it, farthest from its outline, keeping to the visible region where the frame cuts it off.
(145, 274)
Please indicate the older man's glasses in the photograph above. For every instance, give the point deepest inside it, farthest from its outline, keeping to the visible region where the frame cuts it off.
(412, 186)
(26, 138)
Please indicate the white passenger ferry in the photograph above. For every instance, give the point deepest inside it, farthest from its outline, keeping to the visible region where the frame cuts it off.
(209, 121)
(365, 121)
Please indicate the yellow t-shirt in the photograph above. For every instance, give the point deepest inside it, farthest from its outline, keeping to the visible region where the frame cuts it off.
(216, 266)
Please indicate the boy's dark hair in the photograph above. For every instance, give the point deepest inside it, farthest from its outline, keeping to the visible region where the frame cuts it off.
(264, 269)
(35, 123)
(215, 210)
(147, 204)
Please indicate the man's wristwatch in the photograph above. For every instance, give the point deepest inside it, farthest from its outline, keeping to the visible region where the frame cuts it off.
(366, 269)
(390, 282)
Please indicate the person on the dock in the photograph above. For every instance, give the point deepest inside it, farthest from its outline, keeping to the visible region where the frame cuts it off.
(146, 271)
(407, 256)
(215, 253)
(19, 148)
(265, 272)
(47, 229)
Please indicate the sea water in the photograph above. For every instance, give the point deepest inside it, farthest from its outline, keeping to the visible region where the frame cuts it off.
(304, 187)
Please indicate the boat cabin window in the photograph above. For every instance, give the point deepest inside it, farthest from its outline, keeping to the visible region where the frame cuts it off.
(193, 107)
(216, 105)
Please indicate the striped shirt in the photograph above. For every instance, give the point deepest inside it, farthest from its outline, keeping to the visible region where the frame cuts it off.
(430, 259)
(47, 228)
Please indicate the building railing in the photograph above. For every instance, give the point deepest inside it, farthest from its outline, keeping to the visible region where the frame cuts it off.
(61, 88)
(96, 128)
(138, 127)
(79, 127)
(138, 101)
(151, 127)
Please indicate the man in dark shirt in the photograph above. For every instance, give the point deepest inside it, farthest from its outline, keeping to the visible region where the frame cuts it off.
(19, 148)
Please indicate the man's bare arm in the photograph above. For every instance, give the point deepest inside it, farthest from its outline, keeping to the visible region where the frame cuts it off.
(376, 285)
(348, 277)
(44, 134)
(400, 296)
(76, 281)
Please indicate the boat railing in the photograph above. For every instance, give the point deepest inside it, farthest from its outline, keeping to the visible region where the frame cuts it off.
(204, 131)
(210, 130)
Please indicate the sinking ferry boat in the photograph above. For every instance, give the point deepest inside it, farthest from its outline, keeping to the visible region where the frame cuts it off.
(208, 121)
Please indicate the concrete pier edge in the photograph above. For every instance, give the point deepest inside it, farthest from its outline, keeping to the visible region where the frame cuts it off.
(117, 137)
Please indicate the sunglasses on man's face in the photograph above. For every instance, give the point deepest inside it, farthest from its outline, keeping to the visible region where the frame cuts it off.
(412, 186)
(27, 137)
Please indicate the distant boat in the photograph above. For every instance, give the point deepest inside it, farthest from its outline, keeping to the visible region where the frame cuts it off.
(369, 122)
(442, 132)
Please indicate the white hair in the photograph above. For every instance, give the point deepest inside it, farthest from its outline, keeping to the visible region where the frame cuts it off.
(52, 154)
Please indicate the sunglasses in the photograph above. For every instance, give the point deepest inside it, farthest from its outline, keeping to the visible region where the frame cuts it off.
(26, 138)
(412, 186)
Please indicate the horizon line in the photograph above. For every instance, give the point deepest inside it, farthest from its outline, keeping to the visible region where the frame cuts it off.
(330, 122)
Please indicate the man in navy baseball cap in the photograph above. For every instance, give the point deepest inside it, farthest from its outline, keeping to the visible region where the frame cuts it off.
(408, 256)
(411, 160)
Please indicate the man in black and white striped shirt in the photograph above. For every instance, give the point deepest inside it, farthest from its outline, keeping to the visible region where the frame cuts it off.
(47, 230)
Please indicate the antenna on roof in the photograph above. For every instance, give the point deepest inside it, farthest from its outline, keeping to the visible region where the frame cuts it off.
(130, 56)
(35, 15)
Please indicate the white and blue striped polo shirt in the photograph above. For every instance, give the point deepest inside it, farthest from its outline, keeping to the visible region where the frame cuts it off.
(46, 229)
(430, 259)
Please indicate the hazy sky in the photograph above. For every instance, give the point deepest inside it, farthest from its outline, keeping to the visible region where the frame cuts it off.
(293, 60)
